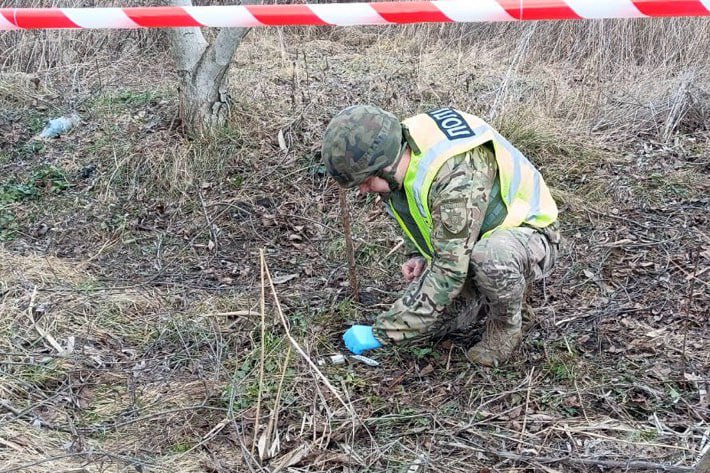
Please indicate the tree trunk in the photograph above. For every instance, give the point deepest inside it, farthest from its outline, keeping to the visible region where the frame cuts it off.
(202, 68)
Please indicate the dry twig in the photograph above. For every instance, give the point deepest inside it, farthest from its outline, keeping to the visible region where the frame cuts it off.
(628, 465)
(263, 349)
(47, 336)
(345, 213)
(298, 348)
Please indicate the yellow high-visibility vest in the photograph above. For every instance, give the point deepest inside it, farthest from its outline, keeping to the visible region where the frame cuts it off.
(444, 133)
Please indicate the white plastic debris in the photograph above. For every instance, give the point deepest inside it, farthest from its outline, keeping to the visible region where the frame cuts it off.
(422, 460)
(366, 360)
(59, 126)
(339, 359)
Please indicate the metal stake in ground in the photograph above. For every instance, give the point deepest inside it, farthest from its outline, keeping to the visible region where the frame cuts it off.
(349, 250)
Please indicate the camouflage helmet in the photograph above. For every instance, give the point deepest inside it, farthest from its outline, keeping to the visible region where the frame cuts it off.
(359, 142)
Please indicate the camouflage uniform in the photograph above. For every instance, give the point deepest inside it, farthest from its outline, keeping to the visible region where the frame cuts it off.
(465, 203)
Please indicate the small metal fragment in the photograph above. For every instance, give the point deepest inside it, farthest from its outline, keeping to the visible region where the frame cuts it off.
(337, 359)
(366, 360)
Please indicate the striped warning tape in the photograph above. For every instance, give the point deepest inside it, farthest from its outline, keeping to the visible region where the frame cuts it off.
(345, 14)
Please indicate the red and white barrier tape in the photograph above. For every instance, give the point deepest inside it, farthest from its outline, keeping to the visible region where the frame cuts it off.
(345, 14)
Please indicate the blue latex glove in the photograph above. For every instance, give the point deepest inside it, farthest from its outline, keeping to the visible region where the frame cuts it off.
(359, 338)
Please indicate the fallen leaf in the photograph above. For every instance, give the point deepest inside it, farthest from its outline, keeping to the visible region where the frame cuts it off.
(70, 344)
(621, 242)
(701, 385)
(268, 448)
(284, 279)
(541, 417)
(656, 333)
(291, 458)
(332, 458)
(282, 141)
(428, 369)
(571, 401)
(262, 444)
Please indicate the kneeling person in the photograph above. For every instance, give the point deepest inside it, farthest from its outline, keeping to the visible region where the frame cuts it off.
(475, 209)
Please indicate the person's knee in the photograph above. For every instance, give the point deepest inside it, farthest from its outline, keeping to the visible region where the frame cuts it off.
(499, 280)
(492, 257)
(496, 271)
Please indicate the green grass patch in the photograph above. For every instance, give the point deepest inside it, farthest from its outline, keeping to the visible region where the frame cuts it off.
(658, 187)
(419, 352)
(126, 99)
(648, 435)
(180, 447)
(43, 375)
(561, 367)
(16, 192)
(8, 224)
(244, 388)
(36, 123)
(43, 180)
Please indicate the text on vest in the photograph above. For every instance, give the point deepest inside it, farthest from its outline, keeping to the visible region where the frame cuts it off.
(451, 123)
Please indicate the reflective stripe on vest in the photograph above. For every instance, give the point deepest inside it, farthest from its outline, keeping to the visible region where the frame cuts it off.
(399, 202)
(444, 133)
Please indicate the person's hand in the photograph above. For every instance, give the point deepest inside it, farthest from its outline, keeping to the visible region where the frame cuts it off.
(413, 268)
(359, 338)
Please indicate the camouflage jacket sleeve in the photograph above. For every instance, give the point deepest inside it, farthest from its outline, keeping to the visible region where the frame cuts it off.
(458, 201)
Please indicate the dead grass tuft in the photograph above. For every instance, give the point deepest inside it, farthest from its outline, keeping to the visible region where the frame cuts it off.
(37, 269)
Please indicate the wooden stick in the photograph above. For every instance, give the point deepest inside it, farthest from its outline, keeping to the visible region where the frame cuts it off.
(527, 403)
(274, 418)
(236, 313)
(300, 351)
(349, 248)
(626, 465)
(688, 308)
(47, 336)
(263, 350)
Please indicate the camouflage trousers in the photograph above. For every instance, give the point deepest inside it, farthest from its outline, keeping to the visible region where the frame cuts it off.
(501, 268)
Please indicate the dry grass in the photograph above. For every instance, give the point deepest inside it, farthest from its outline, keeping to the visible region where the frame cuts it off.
(145, 269)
